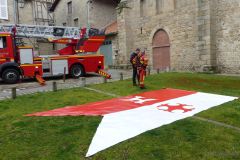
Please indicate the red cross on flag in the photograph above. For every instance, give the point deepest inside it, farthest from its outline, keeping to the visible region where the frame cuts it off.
(127, 117)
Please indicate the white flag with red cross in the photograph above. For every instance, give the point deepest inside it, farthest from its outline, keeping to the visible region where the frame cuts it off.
(127, 117)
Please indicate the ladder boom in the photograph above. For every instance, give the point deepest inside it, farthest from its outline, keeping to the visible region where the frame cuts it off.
(36, 31)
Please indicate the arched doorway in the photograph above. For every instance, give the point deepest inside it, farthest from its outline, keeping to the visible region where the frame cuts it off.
(161, 51)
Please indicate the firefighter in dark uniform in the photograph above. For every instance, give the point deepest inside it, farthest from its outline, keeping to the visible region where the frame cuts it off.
(133, 61)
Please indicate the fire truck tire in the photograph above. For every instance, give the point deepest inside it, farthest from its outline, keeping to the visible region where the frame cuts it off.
(11, 76)
(77, 71)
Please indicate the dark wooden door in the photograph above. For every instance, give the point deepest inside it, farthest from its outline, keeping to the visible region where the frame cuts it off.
(161, 51)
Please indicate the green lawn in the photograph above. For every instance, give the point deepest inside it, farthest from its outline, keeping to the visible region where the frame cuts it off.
(69, 137)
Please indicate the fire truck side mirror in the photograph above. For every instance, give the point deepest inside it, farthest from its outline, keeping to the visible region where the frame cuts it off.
(59, 32)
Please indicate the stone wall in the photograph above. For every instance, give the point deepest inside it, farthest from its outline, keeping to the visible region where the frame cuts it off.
(101, 13)
(179, 23)
(78, 11)
(204, 34)
(227, 34)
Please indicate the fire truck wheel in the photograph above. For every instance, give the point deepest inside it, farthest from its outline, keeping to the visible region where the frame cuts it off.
(77, 71)
(10, 76)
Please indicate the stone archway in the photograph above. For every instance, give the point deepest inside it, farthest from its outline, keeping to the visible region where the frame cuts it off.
(161, 50)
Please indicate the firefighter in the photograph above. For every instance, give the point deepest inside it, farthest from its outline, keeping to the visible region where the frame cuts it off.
(133, 61)
(142, 63)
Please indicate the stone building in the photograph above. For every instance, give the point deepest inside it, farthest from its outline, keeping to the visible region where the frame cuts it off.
(99, 14)
(30, 12)
(182, 35)
(78, 12)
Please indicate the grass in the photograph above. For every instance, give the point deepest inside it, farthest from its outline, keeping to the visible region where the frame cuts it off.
(69, 137)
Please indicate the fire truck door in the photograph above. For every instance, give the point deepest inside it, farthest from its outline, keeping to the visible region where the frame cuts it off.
(58, 67)
(26, 55)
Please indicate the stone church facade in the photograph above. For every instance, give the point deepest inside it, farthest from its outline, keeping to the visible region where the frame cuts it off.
(182, 35)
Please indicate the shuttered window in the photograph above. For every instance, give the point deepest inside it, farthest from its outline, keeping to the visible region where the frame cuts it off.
(3, 9)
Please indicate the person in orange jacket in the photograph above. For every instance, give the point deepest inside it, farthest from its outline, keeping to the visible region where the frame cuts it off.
(142, 63)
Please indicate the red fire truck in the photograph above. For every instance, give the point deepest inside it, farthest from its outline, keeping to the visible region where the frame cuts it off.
(78, 57)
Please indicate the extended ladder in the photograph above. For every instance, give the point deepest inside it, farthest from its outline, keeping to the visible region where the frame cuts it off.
(36, 31)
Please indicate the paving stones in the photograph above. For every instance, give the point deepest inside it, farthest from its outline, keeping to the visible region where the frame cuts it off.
(31, 87)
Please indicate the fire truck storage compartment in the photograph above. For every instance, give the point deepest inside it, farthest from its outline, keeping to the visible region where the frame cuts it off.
(29, 70)
(58, 67)
(26, 55)
(46, 65)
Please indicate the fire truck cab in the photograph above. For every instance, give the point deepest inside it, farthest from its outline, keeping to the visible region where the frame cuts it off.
(18, 62)
(10, 70)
